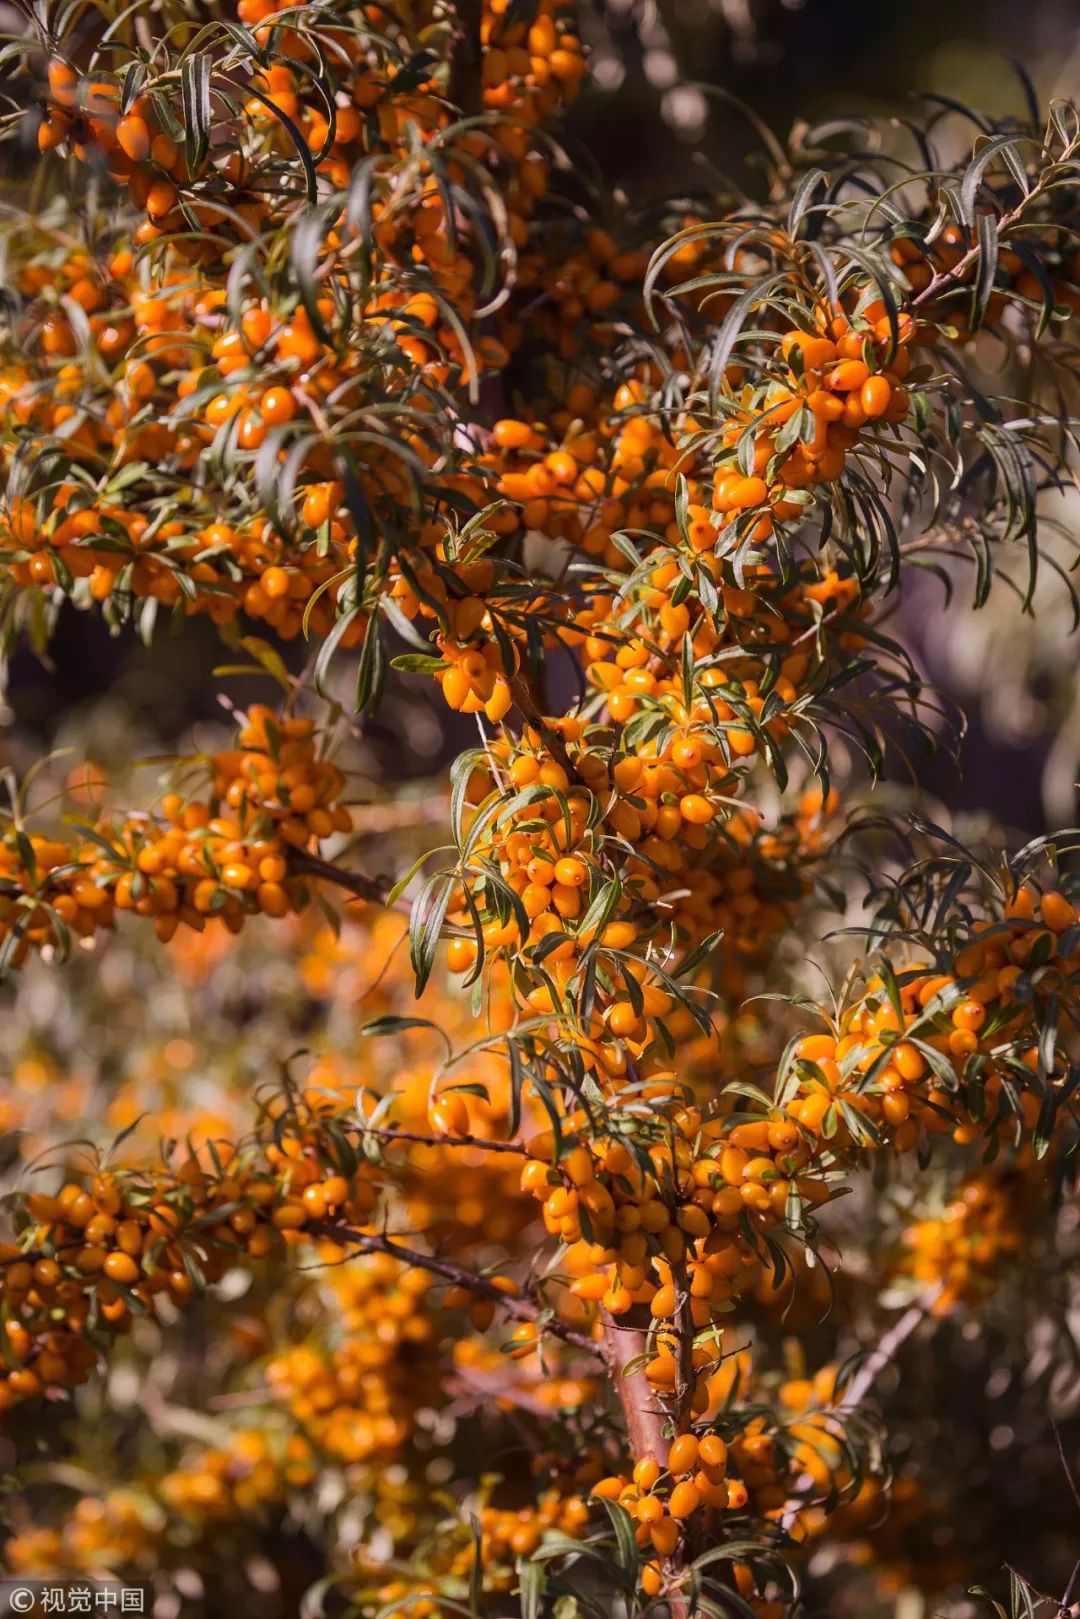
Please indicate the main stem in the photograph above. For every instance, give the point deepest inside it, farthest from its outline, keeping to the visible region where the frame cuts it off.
(645, 1420)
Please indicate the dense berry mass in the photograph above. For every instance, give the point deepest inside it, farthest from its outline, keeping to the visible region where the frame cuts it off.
(339, 359)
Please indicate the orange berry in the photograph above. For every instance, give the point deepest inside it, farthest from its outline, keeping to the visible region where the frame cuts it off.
(460, 955)
(683, 1457)
(712, 1450)
(121, 1267)
(749, 492)
(685, 1499)
(652, 1579)
(874, 396)
(1057, 912)
(847, 376)
(277, 406)
(448, 1114)
(696, 809)
(133, 138)
(646, 1472)
(275, 582)
(512, 435)
(571, 872)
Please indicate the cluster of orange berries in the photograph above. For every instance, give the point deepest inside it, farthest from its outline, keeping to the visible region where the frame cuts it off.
(676, 1236)
(224, 1482)
(662, 1217)
(591, 284)
(645, 819)
(474, 678)
(596, 284)
(254, 1470)
(659, 1498)
(431, 1136)
(225, 857)
(507, 1535)
(654, 755)
(608, 464)
(356, 1400)
(110, 1529)
(954, 254)
(956, 1256)
(599, 466)
(86, 113)
(834, 383)
(140, 368)
(347, 1406)
(902, 1054)
(156, 408)
(124, 1530)
(527, 70)
(93, 1254)
(777, 1467)
(285, 369)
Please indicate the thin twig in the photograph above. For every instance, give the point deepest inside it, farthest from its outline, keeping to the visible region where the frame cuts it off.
(860, 1385)
(354, 882)
(945, 280)
(365, 1242)
(481, 1142)
(1064, 1460)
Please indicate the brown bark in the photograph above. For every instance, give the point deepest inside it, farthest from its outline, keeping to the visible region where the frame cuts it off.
(642, 1414)
(305, 864)
(645, 1419)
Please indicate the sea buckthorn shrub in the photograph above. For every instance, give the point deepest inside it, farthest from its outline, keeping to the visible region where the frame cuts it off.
(508, 1173)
